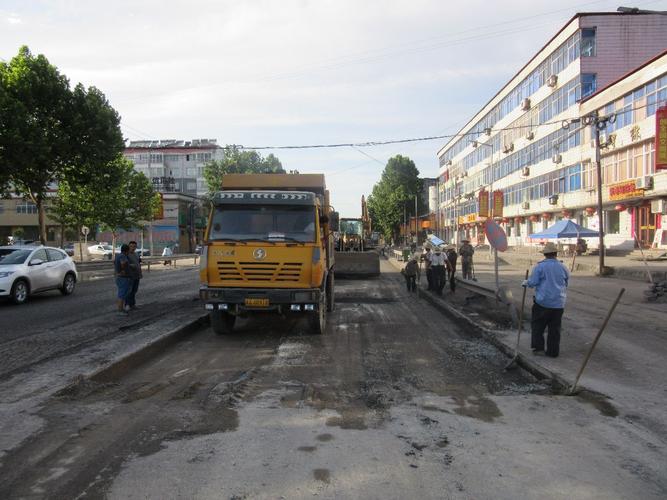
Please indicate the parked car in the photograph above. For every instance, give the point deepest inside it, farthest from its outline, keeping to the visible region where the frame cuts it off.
(144, 252)
(101, 250)
(25, 270)
(69, 249)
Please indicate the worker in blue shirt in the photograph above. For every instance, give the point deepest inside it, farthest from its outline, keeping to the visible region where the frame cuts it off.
(549, 278)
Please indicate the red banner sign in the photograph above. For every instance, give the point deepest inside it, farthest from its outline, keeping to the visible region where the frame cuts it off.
(661, 139)
(624, 190)
(498, 203)
(483, 204)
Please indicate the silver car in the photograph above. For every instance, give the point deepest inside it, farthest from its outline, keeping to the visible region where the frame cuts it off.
(25, 270)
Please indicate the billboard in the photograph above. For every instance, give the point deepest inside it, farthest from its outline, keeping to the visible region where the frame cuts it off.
(661, 139)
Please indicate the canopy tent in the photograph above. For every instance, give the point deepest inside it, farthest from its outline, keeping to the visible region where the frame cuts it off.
(565, 229)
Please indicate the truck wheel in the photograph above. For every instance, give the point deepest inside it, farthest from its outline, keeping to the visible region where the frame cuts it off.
(331, 300)
(317, 320)
(222, 322)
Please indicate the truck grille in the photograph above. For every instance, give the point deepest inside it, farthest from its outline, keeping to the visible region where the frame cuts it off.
(260, 271)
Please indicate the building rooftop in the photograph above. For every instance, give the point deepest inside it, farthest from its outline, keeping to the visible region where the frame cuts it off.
(173, 143)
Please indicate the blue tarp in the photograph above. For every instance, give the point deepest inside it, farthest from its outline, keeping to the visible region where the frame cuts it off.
(565, 229)
(435, 241)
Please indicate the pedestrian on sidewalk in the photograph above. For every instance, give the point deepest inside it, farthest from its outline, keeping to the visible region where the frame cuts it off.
(411, 273)
(123, 282)
(134, 271)
(438, 263)
(426, 259)
(550, 279)
(466, 252)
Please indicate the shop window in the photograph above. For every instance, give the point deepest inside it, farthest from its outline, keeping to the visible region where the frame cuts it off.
(613, 222)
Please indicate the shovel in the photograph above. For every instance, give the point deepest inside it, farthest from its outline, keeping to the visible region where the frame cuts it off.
(513, 364)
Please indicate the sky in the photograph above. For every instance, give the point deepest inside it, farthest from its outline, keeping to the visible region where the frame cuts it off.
(296, 72)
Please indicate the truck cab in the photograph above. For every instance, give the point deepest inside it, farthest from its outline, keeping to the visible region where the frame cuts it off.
(267, 250)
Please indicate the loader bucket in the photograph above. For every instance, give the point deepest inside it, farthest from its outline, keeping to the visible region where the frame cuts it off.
(357, 264)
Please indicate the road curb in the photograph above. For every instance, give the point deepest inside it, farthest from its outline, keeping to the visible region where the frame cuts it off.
(127, 361)
(558, 383)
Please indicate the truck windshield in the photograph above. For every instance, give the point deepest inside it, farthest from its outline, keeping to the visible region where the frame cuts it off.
(267, 222)
(350, 226)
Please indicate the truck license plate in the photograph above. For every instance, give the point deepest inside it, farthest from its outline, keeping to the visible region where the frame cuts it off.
(257, 302)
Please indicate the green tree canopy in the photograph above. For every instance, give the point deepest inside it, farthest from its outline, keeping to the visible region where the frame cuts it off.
(394, 193)
(51, 133)
(128, 197)
(239, 161)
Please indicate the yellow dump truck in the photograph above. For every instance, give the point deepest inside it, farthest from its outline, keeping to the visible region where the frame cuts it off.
(269, 247)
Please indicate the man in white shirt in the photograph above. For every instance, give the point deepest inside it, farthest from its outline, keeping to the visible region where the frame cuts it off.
(438, 263)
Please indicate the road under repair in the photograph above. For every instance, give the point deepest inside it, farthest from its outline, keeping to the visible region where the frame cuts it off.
(394, 401)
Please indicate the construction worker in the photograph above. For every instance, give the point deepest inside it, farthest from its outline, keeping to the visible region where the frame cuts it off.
(451, 257)
(550, 279)
(426, 259)
(466, 252)
(411, 273)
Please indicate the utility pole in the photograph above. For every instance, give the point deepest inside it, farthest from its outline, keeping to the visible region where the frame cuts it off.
(416, 223)
(598, 123)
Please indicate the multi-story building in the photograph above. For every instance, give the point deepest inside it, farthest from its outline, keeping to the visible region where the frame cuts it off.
(174, 166)
(530, 146)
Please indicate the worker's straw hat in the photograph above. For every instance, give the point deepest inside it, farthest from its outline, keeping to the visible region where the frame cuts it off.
(549, 248)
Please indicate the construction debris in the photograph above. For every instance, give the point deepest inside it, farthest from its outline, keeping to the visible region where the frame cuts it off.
(657, 292)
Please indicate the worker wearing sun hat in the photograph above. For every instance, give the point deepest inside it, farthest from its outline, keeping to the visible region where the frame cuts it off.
(550, 279)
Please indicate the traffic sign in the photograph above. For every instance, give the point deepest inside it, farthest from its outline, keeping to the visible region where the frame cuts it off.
(85, 230)
(496, 236)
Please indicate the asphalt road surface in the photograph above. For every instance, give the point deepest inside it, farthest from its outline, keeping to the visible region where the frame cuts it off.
(394, 401)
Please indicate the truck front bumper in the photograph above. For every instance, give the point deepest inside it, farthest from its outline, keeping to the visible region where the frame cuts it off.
(236, 300)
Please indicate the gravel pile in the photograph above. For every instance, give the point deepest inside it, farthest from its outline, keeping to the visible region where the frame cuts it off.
(657, 292)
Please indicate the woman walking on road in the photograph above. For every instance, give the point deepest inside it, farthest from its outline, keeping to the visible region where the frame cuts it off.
(121, 267)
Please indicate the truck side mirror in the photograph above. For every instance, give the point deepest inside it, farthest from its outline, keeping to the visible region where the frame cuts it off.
(334, 221)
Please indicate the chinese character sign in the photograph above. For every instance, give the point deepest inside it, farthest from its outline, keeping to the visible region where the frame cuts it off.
(498, 203)
(661, 139)
(483, 204)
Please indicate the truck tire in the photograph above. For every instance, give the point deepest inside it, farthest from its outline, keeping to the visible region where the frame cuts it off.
(317, 320)
(331, 299)
(222, 322)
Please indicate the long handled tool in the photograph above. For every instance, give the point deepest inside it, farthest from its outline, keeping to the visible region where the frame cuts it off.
(513, 364)
(597, 337)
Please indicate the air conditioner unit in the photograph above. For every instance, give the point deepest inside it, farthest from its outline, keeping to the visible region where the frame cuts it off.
(553, 199)
(525, 104)
(644, 182)
(557, 158)
(525, 171)
(530, 135)
(525, 205)
(552, 81)
(659, 207)
(508, 148)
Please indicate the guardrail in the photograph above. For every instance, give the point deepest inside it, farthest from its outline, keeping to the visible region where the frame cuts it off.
(96, 265)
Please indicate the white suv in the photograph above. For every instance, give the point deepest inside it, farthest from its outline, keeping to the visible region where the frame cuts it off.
(25, 270)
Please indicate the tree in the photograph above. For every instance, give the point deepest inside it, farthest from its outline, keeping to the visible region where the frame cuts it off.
(127, 199)
(52, 133)
(394, 193)
(238, 161)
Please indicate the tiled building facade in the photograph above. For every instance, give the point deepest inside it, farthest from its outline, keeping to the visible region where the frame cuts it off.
(524, 145)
